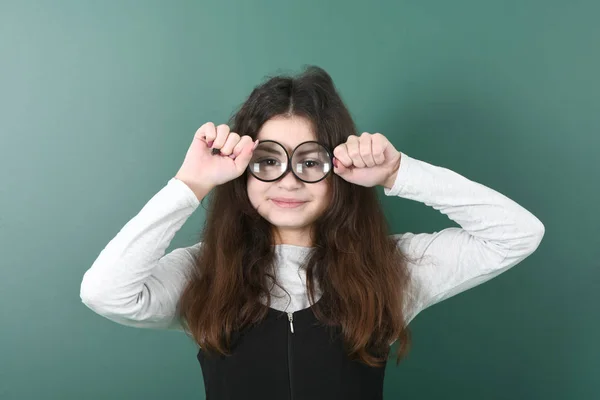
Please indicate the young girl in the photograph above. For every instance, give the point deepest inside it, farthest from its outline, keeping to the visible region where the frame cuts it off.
(297, 291)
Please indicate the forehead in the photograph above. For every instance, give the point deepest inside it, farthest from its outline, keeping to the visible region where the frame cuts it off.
(289, 131)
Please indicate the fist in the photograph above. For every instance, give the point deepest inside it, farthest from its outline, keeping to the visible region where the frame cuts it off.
(202, 170)
(368, 160)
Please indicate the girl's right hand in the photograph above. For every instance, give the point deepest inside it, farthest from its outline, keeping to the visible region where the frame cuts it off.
(202, 171)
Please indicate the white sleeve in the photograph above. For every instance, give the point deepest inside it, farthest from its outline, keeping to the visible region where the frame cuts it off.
(495, 233)
(132, 281)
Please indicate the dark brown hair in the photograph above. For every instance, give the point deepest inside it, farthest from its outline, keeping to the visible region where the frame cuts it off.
(362, 272)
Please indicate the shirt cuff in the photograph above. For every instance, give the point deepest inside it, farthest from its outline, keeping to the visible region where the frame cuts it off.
(184, 190)
(402, 176)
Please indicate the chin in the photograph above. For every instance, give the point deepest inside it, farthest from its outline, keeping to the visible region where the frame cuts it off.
(287, 222)
(287, 219)
(290, 218)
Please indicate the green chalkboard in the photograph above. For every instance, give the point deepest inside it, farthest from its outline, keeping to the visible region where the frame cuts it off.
(98, 104)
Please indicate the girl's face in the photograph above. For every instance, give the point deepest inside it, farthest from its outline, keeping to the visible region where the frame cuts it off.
(292, 222)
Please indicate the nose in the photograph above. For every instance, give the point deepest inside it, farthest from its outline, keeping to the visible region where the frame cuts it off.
(289, 181)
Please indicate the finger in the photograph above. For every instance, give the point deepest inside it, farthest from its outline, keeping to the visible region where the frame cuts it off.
(222, 133)
(243, 142)
(341, 154)
(243, 159)
(366, 151)
(207, 133)
(354, 151)
(230, 143)
(378, 145)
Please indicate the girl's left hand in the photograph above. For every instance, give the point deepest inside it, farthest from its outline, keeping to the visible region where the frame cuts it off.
(367, 160)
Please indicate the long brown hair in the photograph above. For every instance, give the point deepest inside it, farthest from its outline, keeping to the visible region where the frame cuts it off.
(361, 271)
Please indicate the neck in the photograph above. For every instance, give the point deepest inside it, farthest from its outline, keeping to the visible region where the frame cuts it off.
(294, 237)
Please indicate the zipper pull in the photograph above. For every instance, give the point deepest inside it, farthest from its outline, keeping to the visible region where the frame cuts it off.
(291, 319)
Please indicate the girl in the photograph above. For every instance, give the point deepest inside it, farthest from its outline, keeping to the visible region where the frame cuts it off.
(297, 290)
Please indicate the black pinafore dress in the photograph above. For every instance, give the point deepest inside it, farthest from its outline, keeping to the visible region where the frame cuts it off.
(289, 356)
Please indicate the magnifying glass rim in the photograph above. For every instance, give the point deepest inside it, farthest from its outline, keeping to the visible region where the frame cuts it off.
(289, 161)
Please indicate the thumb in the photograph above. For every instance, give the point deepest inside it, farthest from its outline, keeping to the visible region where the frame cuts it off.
(339, 168)
(242, 161)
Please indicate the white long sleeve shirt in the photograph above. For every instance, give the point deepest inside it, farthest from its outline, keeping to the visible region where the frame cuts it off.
(133, 282)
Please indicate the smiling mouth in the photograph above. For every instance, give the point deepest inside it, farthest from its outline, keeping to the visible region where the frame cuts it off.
(288, 203)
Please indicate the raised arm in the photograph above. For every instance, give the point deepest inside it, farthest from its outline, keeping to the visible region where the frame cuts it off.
(132, 281)
(495, 232)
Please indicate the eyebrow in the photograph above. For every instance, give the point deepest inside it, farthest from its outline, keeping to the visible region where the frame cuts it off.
(273, 151)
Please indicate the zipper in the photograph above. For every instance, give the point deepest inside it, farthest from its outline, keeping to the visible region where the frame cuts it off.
(291, 319)
(290, 332)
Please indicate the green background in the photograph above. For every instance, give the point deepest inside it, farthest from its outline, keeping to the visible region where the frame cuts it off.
(99, 101)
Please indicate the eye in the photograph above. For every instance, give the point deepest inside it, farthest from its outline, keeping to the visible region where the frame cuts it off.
(269, 162)
(311, 163)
